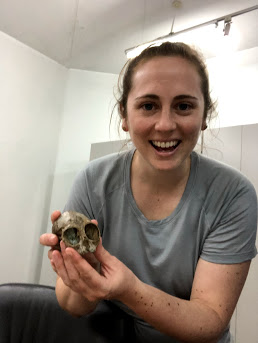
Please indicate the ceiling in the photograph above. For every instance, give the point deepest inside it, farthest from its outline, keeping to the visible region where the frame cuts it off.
(93, 34)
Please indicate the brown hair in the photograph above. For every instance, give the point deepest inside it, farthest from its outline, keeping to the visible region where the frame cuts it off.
(166, 49)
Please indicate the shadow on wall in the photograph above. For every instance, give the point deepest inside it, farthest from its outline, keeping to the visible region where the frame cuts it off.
(37, 251)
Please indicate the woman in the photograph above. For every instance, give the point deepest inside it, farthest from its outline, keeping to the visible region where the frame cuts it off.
(178, 228)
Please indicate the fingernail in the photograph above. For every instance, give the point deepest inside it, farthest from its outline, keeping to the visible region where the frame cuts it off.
(62, 245)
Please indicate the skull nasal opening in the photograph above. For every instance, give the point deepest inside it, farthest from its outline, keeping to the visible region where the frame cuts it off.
(71, 236)
(91, 232)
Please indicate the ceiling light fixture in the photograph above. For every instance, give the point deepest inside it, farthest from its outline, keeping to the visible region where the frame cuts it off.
(227, 24)
(180, 35)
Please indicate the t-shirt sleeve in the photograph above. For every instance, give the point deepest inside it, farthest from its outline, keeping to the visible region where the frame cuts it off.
(79, 198)
(232, 239)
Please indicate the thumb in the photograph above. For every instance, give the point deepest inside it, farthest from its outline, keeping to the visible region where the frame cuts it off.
(101, 254)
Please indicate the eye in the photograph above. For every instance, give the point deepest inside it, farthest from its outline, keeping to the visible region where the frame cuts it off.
(148, 107)
(183, 106)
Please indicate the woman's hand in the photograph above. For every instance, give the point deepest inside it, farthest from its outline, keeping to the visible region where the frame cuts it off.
(49, 239)
(77, 273)
(95, 276)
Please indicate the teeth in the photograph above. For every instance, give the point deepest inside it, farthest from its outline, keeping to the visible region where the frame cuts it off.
(165, 144)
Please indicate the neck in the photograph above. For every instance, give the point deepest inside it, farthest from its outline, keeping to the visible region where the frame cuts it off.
(159, 179)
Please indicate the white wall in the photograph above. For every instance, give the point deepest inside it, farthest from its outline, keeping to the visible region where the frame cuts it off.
(233, 79)
(31, 103)
(88, 105)
(87, 108)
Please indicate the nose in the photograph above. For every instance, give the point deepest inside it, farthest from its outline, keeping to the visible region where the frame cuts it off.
(166, 121)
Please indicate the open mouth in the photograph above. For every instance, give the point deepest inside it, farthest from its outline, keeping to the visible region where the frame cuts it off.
(165, 146)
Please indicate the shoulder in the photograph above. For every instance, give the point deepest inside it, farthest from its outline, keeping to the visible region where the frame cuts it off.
(215, 166)
(109, 161)
(107, 170)
(224, 192)
(220, 188)
(220, 176)
(96, 181)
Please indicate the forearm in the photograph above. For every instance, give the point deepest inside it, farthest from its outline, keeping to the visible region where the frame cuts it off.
(187, 321)
(72, 302)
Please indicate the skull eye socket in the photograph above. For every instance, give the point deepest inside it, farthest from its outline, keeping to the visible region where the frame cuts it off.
(91, 232)
(71, 236)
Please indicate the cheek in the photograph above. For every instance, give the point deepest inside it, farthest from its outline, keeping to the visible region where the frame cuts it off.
(139, 126)
(192, 128)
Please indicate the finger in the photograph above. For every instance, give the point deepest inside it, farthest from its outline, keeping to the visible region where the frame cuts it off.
(55, 215)
(53, 266)
(57, 259)
(94, 221)
(90, 282)
(48, 239)
(62, 246)
(102, 255)
(91, 259)
(49, 254)
(71, 271)
(85, 271)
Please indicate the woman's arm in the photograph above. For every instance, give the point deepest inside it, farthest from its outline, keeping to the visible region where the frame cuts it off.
(72, 302)
(215, 292)
(203, 318)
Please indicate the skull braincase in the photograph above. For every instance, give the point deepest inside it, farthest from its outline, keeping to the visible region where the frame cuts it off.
(77, 231)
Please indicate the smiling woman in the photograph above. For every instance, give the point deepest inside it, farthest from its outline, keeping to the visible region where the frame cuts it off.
(176, 248)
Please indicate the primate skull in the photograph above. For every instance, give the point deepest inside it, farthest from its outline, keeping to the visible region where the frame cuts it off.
(76, 231)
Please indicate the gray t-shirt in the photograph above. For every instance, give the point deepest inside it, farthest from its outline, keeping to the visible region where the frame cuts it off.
(216, 219)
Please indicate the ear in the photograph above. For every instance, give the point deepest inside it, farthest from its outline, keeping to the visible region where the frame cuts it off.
(123, 117)
(204, 125)
(124, 125)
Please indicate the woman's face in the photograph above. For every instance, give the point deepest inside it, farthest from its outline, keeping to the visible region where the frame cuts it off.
(165, 109)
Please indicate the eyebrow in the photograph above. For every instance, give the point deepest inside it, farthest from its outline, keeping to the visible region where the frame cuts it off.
(178, 97)
(185, 96)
